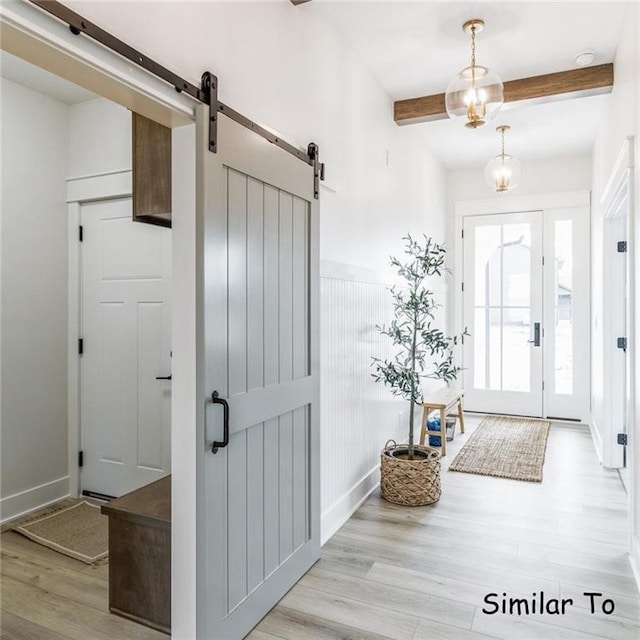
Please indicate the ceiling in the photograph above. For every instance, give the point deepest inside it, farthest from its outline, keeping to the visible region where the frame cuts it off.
(416, 48)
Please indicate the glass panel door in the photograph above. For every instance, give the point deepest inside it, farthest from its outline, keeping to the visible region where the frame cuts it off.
(503, 313)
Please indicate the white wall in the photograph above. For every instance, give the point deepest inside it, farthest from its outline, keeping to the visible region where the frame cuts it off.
(34, 299)
(282, 66)
(100, 138)
(43, 143)
(621, 118)
(618, 121)
(538, 177)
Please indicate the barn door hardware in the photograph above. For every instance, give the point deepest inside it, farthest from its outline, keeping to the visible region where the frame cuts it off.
(313, 151)
(78, 24)
(209, 85)
(206, 93)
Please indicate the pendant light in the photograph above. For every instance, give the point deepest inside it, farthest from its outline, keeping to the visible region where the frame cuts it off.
(476, 93)
(503, 172)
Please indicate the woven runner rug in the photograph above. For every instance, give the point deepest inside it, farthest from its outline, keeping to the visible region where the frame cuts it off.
(79, 531)
(506, 448)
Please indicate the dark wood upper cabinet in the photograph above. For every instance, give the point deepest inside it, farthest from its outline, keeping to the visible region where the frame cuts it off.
(151, 171)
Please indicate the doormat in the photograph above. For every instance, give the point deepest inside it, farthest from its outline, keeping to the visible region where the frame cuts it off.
(506, 448)
(79, 531)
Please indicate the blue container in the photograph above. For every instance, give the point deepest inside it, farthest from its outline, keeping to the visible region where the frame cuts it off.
(433, 424)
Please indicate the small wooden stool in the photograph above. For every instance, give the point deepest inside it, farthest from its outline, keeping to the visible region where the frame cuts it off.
(443, 401)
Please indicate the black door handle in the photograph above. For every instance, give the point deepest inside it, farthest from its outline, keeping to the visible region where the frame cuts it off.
(225, 435)
(536, 335)
(163, 377)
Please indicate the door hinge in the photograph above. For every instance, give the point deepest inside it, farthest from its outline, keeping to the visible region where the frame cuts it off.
(543, 385)
(462, 285)
(622, 246)
(80, 233)
(462, 234)
(80, 346)
(81, 458)
(622, 439)
(622, 343)
(543, 261)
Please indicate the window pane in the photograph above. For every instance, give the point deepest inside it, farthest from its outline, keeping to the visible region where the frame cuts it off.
(479, 350)
(487, 349)
(516, 359)
(494, 349)
(516, 265)
(563, 297)
(487, 265)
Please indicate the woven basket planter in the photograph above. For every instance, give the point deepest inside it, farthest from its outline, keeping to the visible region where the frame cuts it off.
(411, 483)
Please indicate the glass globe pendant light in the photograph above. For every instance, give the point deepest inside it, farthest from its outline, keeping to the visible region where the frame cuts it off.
(476, 94)
(503, 172)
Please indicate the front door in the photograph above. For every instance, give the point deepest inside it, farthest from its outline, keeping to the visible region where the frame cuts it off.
(125, 407)
(526, 306)
(503, 313)
(259, 510)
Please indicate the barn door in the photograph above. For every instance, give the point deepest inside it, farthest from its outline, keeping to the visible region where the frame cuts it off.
(259, 495)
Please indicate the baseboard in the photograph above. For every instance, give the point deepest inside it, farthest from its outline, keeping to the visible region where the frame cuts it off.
(24, 502)
(634, 559)
(336, 515)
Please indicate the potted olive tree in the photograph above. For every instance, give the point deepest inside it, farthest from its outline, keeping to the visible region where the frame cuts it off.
(410, 473)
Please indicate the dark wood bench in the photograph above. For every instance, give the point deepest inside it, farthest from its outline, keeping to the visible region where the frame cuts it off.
(140, 555)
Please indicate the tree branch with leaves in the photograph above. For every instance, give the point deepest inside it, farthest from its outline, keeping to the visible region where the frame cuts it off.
(424, 351)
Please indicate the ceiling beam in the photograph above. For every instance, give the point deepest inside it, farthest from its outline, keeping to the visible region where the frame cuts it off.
(551, 87)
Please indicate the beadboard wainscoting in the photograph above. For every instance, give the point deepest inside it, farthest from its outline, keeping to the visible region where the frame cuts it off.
(358, 415)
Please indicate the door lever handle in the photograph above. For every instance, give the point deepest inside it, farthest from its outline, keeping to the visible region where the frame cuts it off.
(163, 377)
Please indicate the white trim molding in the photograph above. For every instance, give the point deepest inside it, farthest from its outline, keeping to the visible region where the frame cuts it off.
(339, 512)
(617, 210)
(24, 502)
(515, 204)
(101, 186)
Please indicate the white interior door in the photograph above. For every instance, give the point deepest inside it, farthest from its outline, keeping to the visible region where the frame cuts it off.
(258, 515)
(125, 410)
(503, 312)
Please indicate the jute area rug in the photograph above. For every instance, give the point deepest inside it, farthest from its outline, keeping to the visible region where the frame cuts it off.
(79, 531)
(506, 448)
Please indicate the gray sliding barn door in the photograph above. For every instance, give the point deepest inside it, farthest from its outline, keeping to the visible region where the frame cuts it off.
(259, 506)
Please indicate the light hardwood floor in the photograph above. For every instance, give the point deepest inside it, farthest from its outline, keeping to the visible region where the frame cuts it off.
(403, 573)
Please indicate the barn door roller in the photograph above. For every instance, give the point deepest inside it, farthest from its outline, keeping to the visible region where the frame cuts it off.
(206, 93)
